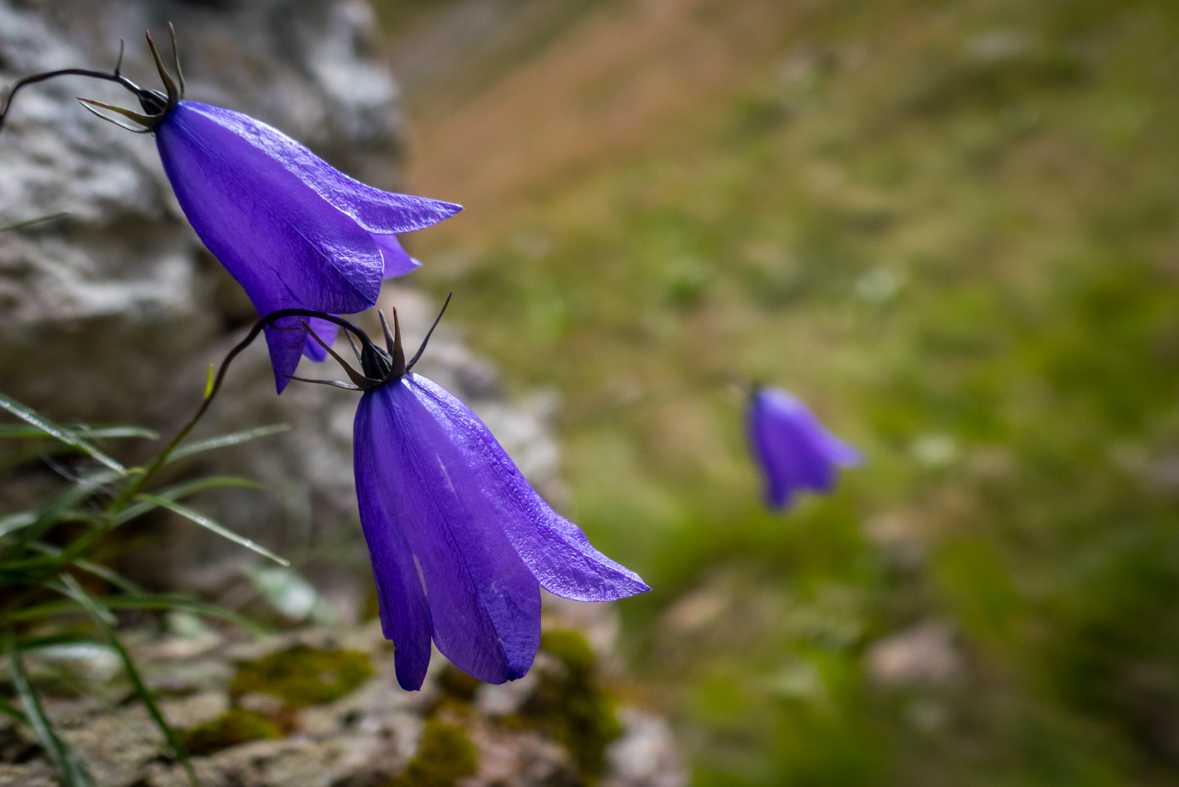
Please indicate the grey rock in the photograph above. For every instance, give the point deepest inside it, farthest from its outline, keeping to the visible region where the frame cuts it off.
(924, 654)
(33, 774)
(364, 738)
(645, 755)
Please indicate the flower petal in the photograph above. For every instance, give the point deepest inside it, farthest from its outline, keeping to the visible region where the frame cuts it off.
(286, 348)
(794, 449)
(382, 212)
(484, 603)
(275, 235)
(556, 552)
(397, 259)
(326, 331)
(405, 617)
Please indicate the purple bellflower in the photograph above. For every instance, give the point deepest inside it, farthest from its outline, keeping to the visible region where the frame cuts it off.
(293, 231)
(460, 542)
(794, 451)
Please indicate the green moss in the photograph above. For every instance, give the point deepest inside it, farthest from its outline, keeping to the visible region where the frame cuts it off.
(234, 727)
(571, 707)
(444, 756)
(458, 684)
(303, 676)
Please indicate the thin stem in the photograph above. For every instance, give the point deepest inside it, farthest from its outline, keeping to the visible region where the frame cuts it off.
(114, 76)
(134, 487)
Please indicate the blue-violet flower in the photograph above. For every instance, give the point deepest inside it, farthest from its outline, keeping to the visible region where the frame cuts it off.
(793, 450)
(460, 542)
(293, 231)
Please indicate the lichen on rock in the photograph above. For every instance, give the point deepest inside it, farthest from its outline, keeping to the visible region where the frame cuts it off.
(303, 676)
(445, 755)
(233, 728)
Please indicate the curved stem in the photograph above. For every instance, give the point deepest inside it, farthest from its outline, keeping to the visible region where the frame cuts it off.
(114, 76)
(134, 487)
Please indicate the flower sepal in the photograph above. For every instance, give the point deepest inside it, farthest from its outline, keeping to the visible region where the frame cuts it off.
(156, 104)
(377, 366)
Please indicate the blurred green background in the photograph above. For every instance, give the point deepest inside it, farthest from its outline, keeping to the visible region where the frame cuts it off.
(951, 228)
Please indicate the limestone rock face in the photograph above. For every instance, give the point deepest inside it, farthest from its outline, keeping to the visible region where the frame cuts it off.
(113, 313)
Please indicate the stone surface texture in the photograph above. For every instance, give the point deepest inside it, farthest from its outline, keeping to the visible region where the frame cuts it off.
(369, 736)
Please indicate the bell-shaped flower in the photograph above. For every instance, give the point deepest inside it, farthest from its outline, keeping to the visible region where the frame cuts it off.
(793, 450)
(460, 542)
(293, 231)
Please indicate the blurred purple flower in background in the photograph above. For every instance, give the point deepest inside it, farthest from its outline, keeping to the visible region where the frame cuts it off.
(793, 450)
(295, 232)
(460, 542)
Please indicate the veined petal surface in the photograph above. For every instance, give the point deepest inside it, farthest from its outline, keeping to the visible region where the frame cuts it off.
(283, 243)
(397, 259)
(378, 211)
(405, 618)
(484, 604)
(431, 476)
(555, 550)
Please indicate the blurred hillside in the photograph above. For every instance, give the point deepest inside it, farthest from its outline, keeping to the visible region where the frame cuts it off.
(951, 227)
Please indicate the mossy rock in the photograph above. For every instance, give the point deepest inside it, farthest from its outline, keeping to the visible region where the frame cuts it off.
(303, 676)
(445, 755)
(572, 708)
(234, 727)
(457, 684)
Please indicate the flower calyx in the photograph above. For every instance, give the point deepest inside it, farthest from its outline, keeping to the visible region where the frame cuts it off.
(377, 366)
(156, 104)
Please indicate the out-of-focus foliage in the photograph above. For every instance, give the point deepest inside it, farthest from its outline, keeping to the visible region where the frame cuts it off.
(951, 228)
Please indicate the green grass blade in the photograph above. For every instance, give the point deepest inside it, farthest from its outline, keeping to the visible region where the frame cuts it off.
(226, 440)
(105, 619)
(72, 771)
(178, 492)
(62, 507)
(16, 225)
(115, 432)
(158, 601)
(209, 524)
(16, 522)
(53, 430)
(8, 709)
(16, 431)
(51, 640)
(102, 572)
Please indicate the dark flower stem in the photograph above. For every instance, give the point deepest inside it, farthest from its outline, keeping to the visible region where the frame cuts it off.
(134, 487)
(113, 76)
